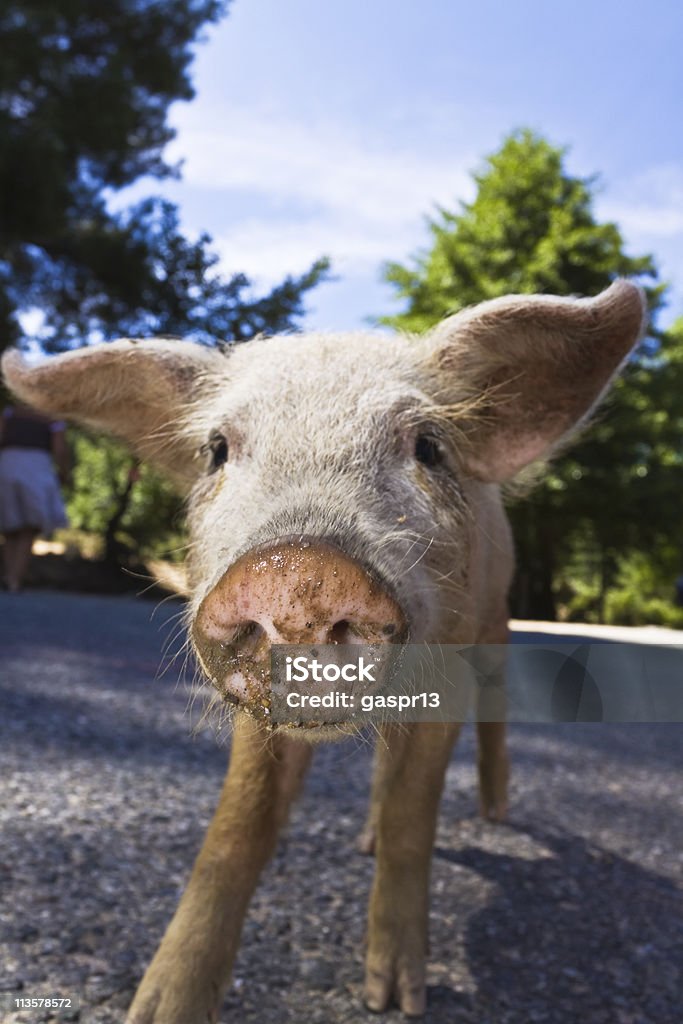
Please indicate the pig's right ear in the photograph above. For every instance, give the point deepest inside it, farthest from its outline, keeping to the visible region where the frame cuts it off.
(139, 391)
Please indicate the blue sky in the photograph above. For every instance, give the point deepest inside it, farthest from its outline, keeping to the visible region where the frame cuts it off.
(335, 127)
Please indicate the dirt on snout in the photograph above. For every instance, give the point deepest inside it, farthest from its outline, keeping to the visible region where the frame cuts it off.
(571, 911)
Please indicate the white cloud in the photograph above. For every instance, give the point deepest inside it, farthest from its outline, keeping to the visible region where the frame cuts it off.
(650, 220)
(325, 190)
(649, 205)
(315, 164)
(648, 208)
(266, 250)
(296, 189)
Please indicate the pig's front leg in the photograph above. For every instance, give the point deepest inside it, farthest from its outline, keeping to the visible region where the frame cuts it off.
(381, 775)
(494, 770)
(491, 709)
(492, 760)
(186, 980)
(413, 764)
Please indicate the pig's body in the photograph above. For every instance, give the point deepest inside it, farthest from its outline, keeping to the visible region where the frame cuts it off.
(346, 488)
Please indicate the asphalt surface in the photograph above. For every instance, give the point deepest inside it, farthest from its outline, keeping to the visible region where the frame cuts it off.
(572, 911)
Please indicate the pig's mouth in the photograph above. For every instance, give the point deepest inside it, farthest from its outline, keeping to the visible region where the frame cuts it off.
(301, 592)
(248, 685)
(319, 732)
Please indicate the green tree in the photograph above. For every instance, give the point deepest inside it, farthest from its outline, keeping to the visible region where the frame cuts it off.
(84, 96)
(134, 510)
(531, 228)
(144, 278)
(616, 494)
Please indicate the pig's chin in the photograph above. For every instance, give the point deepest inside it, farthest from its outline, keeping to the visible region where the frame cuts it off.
(254, 700)
(318, 732)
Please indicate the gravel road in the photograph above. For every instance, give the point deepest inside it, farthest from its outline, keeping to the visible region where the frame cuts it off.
(570, 912)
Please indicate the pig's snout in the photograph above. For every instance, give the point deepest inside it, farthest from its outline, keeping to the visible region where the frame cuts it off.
(293, 591)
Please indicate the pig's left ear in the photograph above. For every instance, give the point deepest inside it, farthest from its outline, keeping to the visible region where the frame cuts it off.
(531, 368)
(139, 391)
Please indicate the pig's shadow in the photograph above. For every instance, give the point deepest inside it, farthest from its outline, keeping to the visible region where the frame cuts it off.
(580, 934)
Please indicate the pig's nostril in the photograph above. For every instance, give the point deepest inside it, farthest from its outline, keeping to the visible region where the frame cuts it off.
(357, 632)
(247, 637)
(340, 633)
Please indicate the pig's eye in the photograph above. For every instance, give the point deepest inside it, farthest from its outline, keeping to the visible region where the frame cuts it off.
(428, 451)
(216, 448)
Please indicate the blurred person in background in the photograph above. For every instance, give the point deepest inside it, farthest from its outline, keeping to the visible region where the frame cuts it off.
(34, 458)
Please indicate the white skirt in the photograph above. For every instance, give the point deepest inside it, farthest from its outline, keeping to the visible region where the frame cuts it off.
(29, 491)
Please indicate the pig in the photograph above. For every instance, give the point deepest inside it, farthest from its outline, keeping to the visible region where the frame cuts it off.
(340, 487)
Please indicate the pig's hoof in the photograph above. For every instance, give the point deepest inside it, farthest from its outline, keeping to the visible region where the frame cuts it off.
(160, 1005)
(496, 811)
(400, 985)
(366, 841)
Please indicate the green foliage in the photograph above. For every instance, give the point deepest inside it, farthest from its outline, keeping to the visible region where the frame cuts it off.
(84, 95)
(627, 608)
(640, 596)
(531, 228)
(152, 523)
(141, 277)
(641, 592)
(83, 111)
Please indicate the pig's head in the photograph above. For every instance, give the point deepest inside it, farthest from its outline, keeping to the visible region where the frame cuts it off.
(338, 484)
